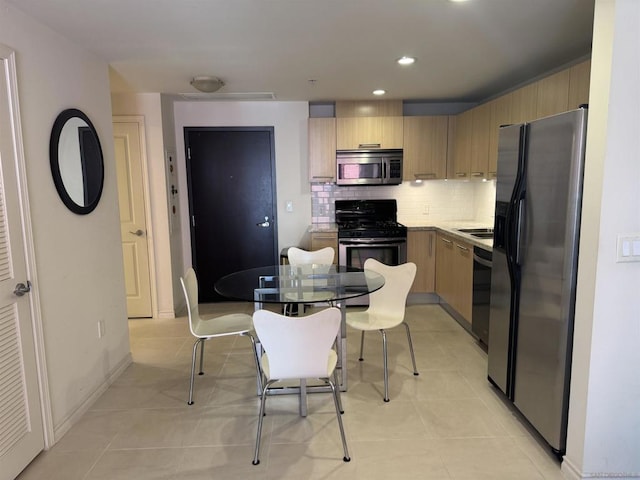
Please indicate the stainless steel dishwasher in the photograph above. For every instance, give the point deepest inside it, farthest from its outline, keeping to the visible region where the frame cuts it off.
(481, 293)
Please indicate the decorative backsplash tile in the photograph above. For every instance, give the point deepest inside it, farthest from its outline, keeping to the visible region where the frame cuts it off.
(431, 201)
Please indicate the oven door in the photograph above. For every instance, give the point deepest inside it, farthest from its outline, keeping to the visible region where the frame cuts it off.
(353, 252)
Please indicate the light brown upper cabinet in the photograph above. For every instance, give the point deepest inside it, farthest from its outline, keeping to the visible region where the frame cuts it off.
(369, 132)
(480, 132)
(462, 129)
(425, 147)
(373, 108)
(553, 94)
(322, 149)
(524, 103)
(376, 124)
(500, 115)
(579, 77)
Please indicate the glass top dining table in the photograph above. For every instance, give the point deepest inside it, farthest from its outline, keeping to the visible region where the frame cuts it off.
(302, 284)
(287, 284)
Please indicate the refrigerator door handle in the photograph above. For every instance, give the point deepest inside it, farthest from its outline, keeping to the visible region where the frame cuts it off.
(519, 228)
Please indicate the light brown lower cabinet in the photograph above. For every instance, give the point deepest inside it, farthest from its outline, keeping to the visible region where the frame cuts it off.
(454, 274)
(325, 239)
(421, 250)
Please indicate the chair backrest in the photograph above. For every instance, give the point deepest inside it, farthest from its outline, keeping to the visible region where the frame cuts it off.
(297, 347)
(297, 256)
(190, 289)
(391, 299)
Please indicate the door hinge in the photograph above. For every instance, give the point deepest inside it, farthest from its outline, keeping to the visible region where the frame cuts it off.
(193, 220)
(189, 153)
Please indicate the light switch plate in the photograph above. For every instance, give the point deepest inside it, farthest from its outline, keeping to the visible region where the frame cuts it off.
(628, 248)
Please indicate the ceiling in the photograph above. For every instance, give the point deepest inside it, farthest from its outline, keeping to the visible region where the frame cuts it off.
(323, 50)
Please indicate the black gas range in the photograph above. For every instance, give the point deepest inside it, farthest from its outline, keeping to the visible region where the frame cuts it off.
(368, 219)
(369, 229)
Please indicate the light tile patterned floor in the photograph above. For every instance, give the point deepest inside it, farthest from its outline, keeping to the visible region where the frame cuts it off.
(447, 423)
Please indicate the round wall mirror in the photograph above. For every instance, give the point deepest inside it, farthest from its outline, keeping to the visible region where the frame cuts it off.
(76, 161)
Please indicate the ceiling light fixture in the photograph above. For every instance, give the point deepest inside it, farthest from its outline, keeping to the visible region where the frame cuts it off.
(406, 60)
(379, 91)
(207, 83)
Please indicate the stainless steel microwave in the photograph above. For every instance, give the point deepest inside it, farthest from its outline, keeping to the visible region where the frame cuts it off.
(369, 167)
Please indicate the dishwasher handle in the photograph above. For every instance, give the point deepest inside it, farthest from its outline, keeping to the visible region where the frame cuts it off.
(482, 261)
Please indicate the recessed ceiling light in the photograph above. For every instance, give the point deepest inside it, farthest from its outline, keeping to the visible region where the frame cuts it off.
(406, 60)
(379, 92)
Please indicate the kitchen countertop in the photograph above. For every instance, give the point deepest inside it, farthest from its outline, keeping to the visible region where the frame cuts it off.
(323, 228)
(450, 228)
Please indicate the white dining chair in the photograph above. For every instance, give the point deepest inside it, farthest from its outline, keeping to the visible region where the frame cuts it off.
(318, 260)
(299, 348)
(386, 309)
(206, 328)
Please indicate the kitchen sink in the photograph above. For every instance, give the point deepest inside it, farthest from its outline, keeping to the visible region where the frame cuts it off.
(477, 232)
(482, 234)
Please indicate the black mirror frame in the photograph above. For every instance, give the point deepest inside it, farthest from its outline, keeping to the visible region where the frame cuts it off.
(58, 125)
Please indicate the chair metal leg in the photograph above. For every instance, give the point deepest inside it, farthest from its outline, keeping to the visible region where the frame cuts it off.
(335, 380)
(413, 357)
(193, 370)
(201, 356)
(263, 399)
(256, 359)
(385, 363)
(336, 402)
(361, 345)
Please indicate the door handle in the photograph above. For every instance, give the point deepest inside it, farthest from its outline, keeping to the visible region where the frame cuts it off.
(21, 289)
(137, 233)
(264, 224)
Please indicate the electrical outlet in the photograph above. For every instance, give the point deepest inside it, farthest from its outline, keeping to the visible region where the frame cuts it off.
(425, 209)
(101, 329)
(289, 206)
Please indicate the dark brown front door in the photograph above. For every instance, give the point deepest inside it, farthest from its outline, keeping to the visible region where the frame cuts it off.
(232, 201)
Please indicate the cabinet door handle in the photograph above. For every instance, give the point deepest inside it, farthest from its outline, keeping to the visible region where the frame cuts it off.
(461, 174)
(446, 241)
(461, 247)
(369, 145)
(477, 174)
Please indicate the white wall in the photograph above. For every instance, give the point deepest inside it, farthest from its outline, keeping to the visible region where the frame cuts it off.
(289, 120)
(604, 415)
(78, 257)
(149, 106)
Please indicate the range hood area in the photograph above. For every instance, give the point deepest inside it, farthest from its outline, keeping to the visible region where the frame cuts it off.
(369, 167)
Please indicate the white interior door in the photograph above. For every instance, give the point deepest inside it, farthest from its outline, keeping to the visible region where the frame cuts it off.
(128, 146)
(21, 427)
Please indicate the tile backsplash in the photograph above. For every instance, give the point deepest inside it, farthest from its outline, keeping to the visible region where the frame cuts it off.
(418, 203)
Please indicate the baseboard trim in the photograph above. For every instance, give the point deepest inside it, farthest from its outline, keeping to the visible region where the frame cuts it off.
(72, 418)
(571, 472)
(167, 314)
(422, 298)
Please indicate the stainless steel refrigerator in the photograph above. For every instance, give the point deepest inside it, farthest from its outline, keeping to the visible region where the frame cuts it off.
(535, 257)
